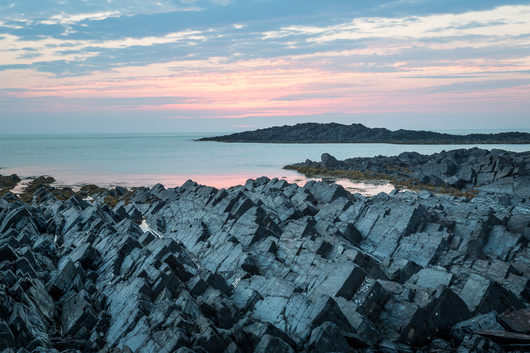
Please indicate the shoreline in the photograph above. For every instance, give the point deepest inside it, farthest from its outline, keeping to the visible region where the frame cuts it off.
(365, 188)
(366, 142)
(460, 172)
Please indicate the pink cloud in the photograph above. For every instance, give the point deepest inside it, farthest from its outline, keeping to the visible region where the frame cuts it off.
(284, 87)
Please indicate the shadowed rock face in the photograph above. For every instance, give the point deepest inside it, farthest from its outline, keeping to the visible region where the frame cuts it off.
(264, 267)
(358, 133)
(462, 169)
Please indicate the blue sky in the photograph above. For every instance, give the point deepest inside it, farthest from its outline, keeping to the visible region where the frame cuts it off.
(130, 66)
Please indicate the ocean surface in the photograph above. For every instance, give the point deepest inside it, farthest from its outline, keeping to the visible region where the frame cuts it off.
(171, 159)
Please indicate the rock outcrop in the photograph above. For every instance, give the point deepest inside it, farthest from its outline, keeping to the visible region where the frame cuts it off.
(358, 133)
(496, 171)
(264, 267)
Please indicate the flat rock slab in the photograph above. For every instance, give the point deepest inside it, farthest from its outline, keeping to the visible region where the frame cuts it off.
(516, 321)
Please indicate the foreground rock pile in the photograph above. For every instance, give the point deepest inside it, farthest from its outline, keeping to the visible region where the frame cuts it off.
(264, 267)
(461, 169)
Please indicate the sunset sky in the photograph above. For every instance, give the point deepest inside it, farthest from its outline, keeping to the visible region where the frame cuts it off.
(222, 65)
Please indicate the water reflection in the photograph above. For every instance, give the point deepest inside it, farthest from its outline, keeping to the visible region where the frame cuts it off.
(75, 180)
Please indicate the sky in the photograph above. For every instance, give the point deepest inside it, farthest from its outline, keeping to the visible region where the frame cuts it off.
(230, 65)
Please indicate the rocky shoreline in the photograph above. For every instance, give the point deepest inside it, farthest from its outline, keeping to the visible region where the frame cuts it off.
(461, 172)
(358, 133)
(264, 267)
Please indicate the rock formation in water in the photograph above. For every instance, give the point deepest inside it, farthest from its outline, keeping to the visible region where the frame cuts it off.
(264, 267)
(462, 169)
(358, 133)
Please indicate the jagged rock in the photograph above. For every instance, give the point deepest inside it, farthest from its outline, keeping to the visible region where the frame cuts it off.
(223, 313)
(370, 299)
(327, 338)
(77, 316)
(28, 328)
(508, 340)
(6, 336)
(482, 296)
(516, 321)
(86, 255)
(210, 341)
(391, 347)
(433, 278)
(493, 171)
(215, 280)
(262, 267)
(63, 280)
(435, 319)
(400, 270)
(363, 328)
(7, 253)
(478, 323)
(328, 161)
(197, 286)
(478, 344)
(501, 243)
(421, 248)
(271, 344)
(325, 193)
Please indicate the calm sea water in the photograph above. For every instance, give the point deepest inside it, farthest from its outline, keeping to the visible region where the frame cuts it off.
(171, 159)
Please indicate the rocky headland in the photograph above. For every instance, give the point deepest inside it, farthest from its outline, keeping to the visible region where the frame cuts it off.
(462, 172)
(263, 267)
(358, 133)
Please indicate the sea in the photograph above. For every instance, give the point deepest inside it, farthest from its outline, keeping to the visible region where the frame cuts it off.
(172, 158)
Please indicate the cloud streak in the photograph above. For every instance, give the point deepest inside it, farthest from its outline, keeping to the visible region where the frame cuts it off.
(509, 21)
(454, 63)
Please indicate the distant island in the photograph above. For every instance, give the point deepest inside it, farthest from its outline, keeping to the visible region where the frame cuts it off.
(358, 133)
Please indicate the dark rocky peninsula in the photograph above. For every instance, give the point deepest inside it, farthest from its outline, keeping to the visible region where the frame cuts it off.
(358, 133)
(461, 171)
(264, 267)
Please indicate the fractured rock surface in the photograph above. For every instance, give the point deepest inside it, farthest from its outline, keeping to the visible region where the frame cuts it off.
(264, 267)
(496, 171)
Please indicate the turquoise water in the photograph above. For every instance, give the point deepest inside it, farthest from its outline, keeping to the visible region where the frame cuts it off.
(171, 159)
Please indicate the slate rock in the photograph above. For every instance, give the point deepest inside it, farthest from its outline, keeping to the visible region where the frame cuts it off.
(516, 321)
(477, 323)
(271, 344)
(63, 280)
(6, 336)
(482, 296)
(327, 338)
(77, 316)
(436, 319)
